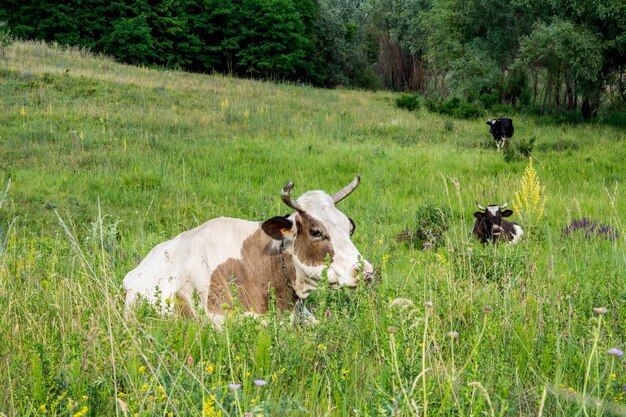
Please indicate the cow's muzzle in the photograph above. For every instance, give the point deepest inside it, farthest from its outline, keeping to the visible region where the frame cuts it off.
(363, 272)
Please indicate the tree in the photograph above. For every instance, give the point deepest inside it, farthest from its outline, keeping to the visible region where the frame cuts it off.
(570, 56)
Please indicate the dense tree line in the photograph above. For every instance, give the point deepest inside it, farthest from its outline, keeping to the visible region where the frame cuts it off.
(556, 55)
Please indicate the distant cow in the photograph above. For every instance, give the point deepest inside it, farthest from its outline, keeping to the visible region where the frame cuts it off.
(284, 255)
(501, 129)
(491, 227)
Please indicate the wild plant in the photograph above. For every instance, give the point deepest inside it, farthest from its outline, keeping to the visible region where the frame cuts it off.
(530, 201)
(589, 229)
(431, 225)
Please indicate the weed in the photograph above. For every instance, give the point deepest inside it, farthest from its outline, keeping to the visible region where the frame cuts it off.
(431, 223)
(530, 200)
(589, 229)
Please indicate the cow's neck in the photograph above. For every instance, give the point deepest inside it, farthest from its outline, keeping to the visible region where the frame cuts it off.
(284, 271)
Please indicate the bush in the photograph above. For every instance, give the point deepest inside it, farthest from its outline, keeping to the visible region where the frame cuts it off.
(6, 39)
(489, 100)
(519, 150)
(409, 102)
(616, 118)
(455, 107)
(469, 111)
(431, 223)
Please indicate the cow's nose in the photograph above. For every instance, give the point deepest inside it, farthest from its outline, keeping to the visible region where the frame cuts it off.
(367, 274)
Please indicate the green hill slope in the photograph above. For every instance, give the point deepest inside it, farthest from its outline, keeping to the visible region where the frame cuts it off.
(108, 160)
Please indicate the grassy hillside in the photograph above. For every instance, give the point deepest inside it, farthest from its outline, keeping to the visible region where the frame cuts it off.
(106, 160)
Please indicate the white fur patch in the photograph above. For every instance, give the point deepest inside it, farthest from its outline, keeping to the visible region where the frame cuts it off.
(518, 234)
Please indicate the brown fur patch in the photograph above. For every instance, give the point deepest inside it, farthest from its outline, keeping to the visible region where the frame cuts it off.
(258, 270)
(182, 306)
(312, 250)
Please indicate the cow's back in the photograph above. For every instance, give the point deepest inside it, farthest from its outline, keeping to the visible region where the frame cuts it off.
(184, 264)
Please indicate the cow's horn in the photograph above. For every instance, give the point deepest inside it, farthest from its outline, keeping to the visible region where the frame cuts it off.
(504, 205)
(285, 195)
(479, 206)
(345, 191)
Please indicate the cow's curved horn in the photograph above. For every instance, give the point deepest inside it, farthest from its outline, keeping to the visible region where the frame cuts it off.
(479, 206)
(345, 191)
(285, 195)
(504, 205)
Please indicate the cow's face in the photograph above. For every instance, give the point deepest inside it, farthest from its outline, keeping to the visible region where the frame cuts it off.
(494, 126)
(490, 220)
(318, 236)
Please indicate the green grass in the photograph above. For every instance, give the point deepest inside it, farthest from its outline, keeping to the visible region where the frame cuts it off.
(107, 160)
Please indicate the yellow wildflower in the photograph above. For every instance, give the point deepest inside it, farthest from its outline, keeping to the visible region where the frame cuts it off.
(141, 369)
(43, 408)
(529, 202)
(208, 407)
(209, 368)
(81, 412)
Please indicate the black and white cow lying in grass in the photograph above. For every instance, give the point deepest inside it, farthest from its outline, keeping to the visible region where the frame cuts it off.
(491, 227)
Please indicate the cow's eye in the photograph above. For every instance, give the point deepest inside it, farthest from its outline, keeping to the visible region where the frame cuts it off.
(316, 234)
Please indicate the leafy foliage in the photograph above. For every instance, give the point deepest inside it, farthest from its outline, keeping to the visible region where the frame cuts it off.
(409, 102)
(557, 56)
(431, 223)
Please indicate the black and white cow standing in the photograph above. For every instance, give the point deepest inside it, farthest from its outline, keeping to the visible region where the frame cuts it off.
(501, 129)
(491, 227)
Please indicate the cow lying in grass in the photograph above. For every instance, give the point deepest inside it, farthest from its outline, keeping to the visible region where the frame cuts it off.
(491, 227)
(284, 255)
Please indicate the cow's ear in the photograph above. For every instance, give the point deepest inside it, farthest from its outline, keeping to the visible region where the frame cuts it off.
(479, 214)
(507, 213)
(277, 227)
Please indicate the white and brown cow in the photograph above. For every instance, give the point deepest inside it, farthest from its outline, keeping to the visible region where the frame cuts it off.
(285, 254)
(491, 227)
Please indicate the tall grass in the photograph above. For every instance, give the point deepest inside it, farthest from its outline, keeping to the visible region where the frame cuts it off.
(107, 160)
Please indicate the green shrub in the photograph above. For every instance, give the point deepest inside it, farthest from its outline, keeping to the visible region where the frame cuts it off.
(616, 118)
(455, 107)
(6, 40)
(469, 111)
(431, 223)
(489, 100)
(409, 102)
(519, 150)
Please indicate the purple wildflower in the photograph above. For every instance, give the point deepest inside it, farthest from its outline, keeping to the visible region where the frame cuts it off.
(260, 382)
(234, 387)
(590, 228)
(615, 352)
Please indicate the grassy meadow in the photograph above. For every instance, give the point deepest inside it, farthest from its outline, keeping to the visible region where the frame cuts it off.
(104, 161)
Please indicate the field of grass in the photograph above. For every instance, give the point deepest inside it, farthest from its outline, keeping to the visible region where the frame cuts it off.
(105, 161)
